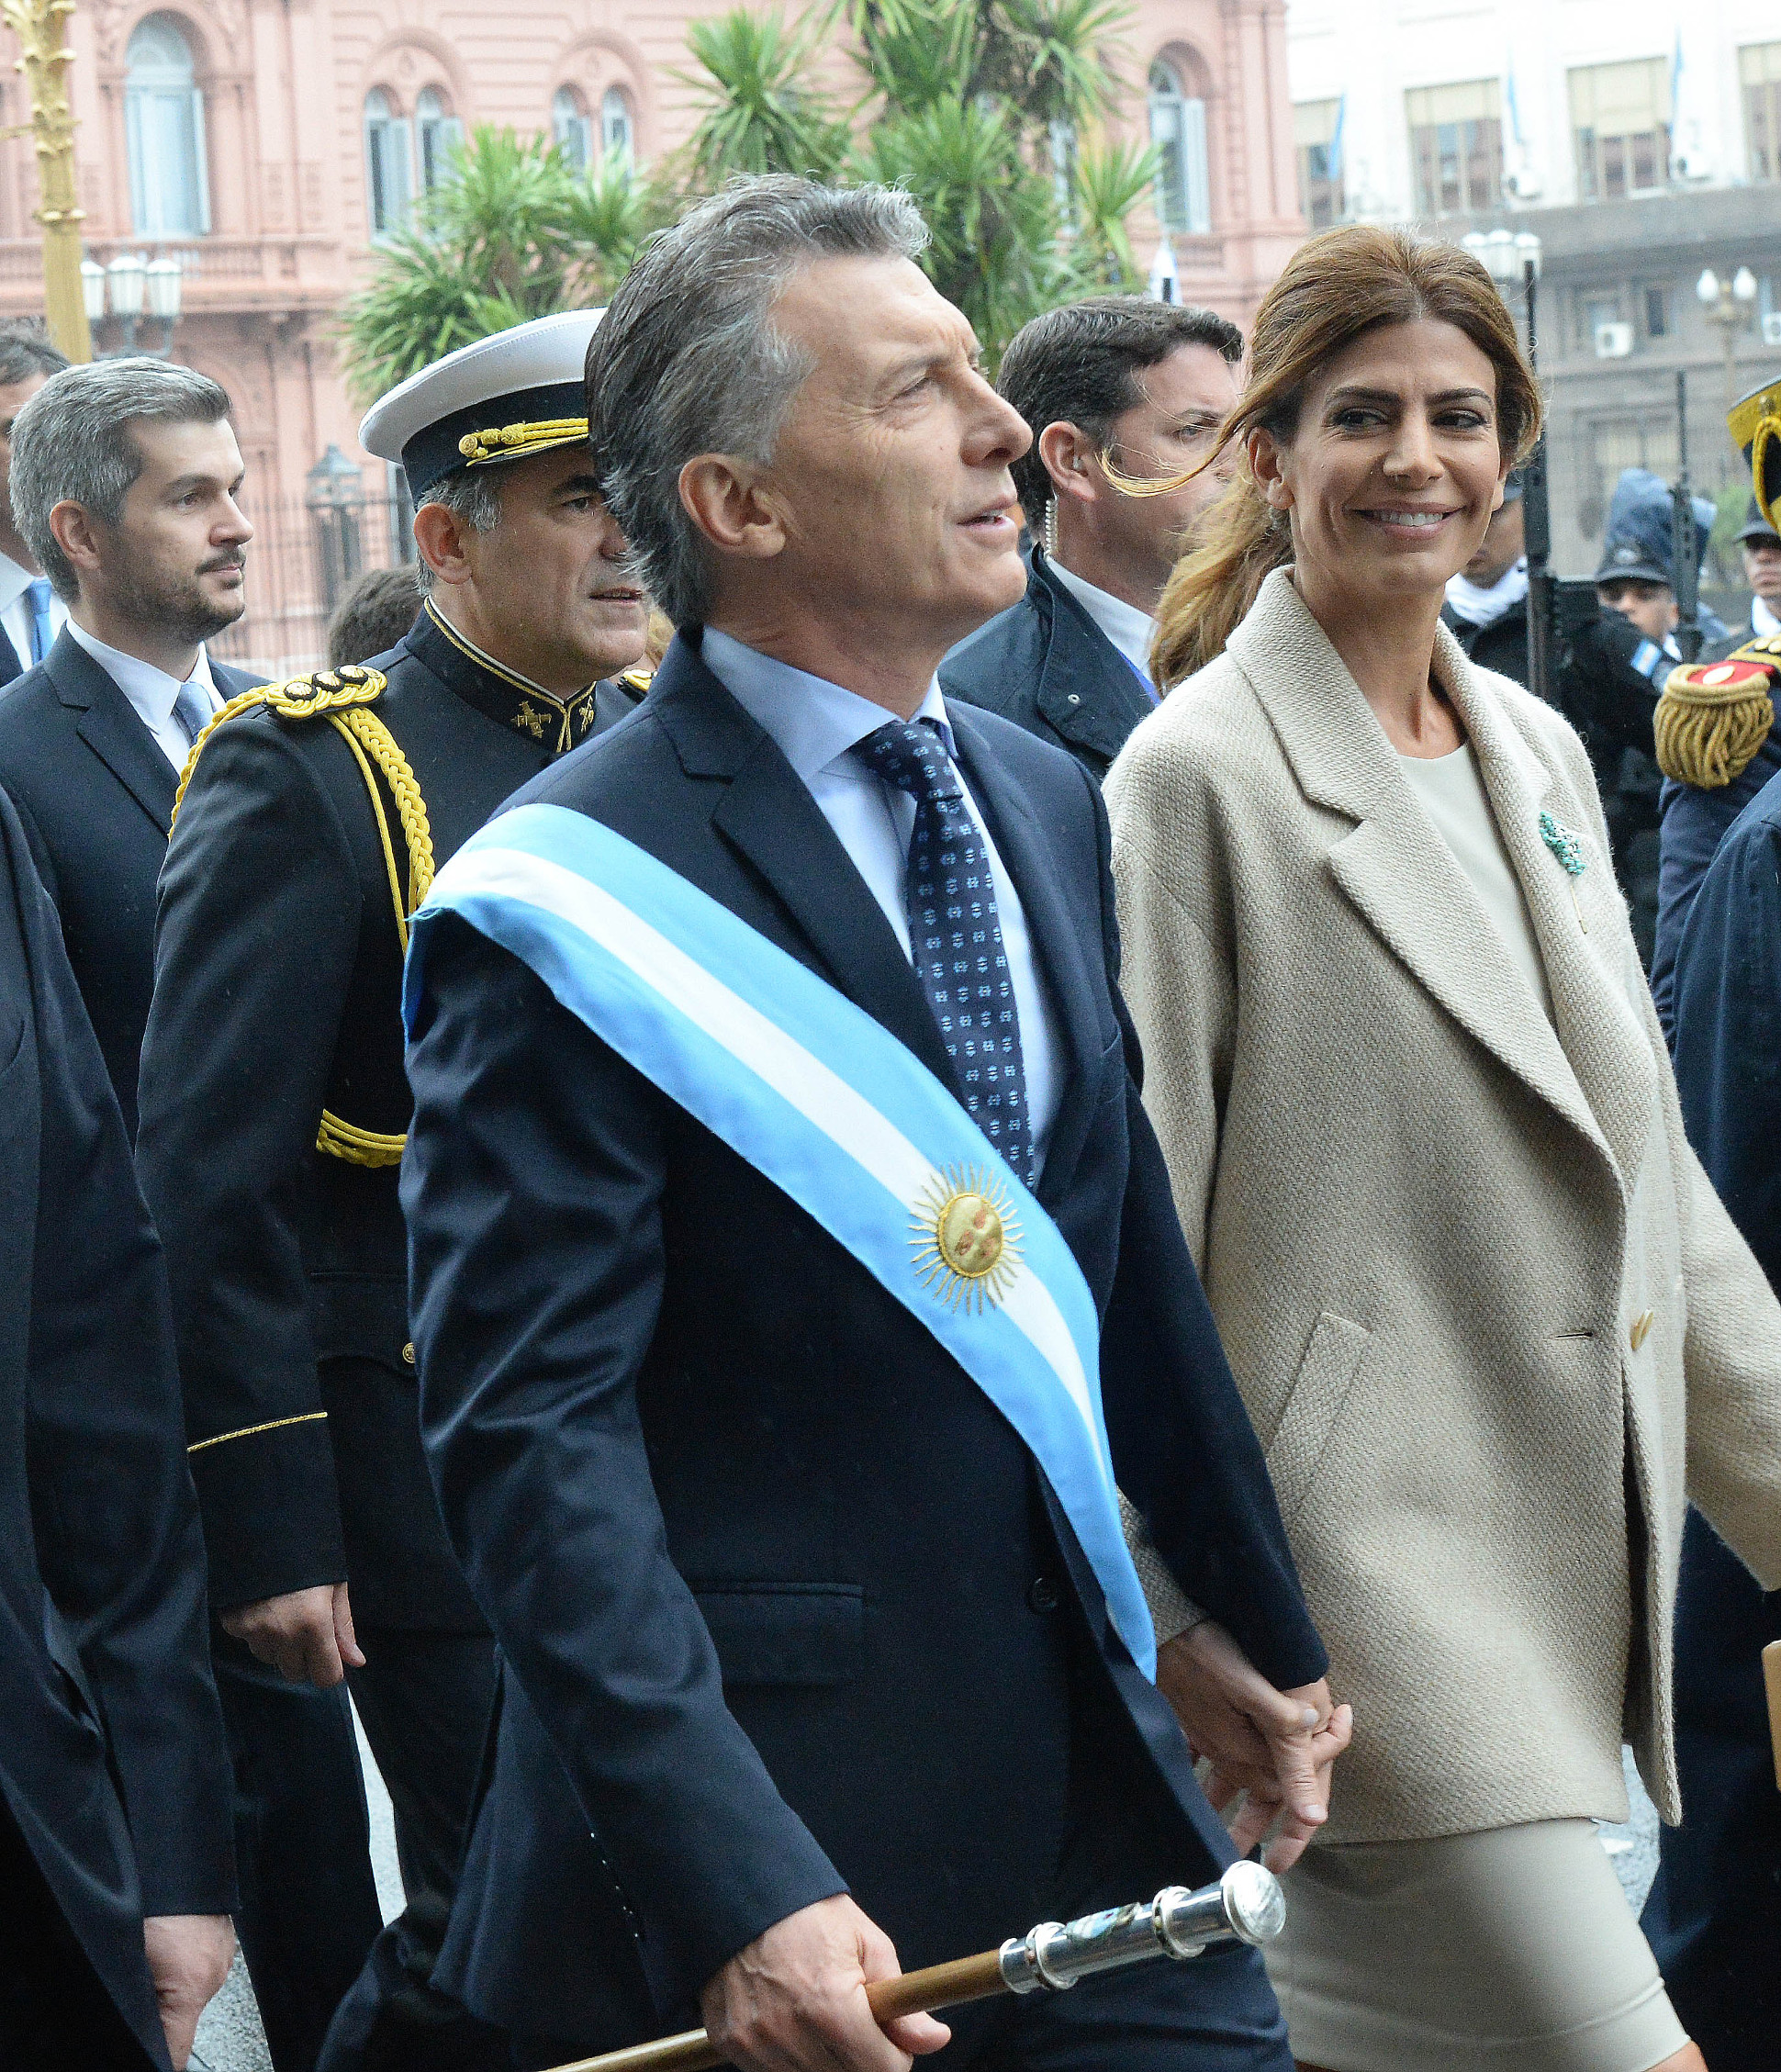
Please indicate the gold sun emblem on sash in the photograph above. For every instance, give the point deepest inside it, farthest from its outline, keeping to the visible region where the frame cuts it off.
(965, 1237)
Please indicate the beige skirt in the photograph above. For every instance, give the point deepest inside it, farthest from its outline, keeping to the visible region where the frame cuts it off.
(1513, 1950)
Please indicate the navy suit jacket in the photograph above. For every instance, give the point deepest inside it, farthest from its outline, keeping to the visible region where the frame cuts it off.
(786, 1604)
(12, 663)
(1047, 666)
(96, 794)
(1714, 1915)
(112, 1758)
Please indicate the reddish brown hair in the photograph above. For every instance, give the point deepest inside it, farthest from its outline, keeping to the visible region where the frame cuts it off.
(1336, 287)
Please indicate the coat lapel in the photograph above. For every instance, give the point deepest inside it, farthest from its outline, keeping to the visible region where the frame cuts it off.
(768, 816)
(1587, 970)
(1395, 868)
(1056, 947)
(111, 729)
(1087, 689)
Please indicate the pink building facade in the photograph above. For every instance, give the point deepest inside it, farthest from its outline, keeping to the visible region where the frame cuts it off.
(263, 143)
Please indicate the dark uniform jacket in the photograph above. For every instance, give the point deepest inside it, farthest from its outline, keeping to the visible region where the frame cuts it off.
(1694, 819)
(1047, 666)
(786, 1604)
(278, 976)
(1714, 1915)
(1502, 646)
(95, 793)
(112, 1760)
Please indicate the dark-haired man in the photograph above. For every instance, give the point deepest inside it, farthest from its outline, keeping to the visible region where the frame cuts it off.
(124, 479)
(1116, 391)
(273, 1106)
(31, 614)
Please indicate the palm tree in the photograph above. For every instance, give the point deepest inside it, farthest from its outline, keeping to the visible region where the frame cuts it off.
(515, 233)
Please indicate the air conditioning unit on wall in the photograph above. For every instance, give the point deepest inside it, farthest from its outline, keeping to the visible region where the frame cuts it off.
(1613, 342)
(1772, 327)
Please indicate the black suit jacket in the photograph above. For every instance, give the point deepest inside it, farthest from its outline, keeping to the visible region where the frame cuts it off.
(12, 663)
(785, 1600)
(96, 794)
(112, 1757)
(278, 974)
(1047, 666)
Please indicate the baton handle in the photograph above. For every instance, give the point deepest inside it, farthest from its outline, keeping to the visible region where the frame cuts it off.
(1772, 1679)
(911, 1992)
(1245, 1906)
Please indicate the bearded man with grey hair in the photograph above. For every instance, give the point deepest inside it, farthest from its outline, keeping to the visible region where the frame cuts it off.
(822, 1646)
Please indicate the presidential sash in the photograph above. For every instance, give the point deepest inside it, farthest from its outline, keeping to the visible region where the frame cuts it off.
(831, 1108)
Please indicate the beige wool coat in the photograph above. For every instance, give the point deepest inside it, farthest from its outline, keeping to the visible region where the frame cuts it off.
(1491, 1322)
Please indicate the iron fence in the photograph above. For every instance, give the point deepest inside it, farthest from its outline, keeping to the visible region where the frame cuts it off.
(300, 563)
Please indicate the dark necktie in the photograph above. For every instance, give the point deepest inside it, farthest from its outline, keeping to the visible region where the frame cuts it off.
(955, 934)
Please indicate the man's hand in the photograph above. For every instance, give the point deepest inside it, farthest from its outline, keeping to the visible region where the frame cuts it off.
(1275, 1747)
(305, 1635)
(794, 2000)
(188, 1960)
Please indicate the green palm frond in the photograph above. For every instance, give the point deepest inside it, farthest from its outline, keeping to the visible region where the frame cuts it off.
(1060, 59)
(1109, 180)
(761, 112)
(918, 53)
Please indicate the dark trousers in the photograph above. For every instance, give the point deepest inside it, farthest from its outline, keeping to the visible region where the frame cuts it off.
(308, 1910)
(424, 1699)
(55, 2013)
(1714, 1915)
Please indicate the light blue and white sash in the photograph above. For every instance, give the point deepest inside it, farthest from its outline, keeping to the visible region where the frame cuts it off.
(831, 1108)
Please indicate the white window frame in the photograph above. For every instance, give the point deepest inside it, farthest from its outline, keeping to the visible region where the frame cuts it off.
(1178, 132)
(164, 131)
(437, 135)
(387, 153)
(573, 128)
(616, 101)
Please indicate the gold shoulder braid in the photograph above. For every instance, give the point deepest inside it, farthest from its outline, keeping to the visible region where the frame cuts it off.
(343, 697)
(1714, 716)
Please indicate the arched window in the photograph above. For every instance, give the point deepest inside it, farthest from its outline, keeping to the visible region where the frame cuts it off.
(617, 137)
(1178, 131)
(163, 124)
(439, 135)
(571, 129)
(388, 180)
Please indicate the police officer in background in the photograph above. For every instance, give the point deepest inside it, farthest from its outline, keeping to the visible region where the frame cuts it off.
(1486, 607)
(1615, 669)
(274, 1110)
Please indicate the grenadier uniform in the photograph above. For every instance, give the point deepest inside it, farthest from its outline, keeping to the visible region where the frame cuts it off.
(309, 825)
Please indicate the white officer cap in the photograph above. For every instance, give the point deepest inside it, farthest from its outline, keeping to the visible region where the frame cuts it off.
(502, 399)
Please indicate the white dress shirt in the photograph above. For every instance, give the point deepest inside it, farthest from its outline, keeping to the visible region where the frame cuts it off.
(15, 609)
(152, 691)
(1128, 629)
(816, 725)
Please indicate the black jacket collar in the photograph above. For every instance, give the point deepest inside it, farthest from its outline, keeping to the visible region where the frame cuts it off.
(505, 695)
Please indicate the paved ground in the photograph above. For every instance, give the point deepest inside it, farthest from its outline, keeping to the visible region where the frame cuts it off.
(229, 2037)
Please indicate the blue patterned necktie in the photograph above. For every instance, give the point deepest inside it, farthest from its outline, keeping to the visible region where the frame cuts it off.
(191, 710)
(38, 590)
(955, 934)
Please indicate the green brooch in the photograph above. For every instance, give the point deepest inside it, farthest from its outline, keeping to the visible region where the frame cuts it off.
(1568, 848)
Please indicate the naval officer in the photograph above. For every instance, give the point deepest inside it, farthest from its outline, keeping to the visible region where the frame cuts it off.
(274, 1110)
(816, 1656)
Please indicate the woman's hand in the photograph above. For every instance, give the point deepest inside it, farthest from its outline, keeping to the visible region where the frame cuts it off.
(1274, 1747)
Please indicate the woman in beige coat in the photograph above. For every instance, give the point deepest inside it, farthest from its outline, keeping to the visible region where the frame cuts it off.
(1489, 1318)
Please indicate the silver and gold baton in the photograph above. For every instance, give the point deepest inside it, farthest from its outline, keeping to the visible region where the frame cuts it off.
(1245, 1906)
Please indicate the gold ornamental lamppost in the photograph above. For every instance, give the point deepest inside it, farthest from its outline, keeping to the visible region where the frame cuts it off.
(41, 28)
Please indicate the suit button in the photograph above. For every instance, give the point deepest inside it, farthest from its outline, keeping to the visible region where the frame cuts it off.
(1642, 1328)
(1042, 1595)
(408, 1355)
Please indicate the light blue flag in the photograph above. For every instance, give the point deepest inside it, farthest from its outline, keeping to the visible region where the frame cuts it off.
(833, 1109)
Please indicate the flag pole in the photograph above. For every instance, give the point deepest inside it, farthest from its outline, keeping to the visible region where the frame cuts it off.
(41, 28)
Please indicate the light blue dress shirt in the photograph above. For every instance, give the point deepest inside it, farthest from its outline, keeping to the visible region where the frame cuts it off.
(816, 725)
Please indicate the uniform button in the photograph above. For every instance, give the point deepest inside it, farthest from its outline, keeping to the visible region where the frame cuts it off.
(1042, 1594)
(1642, 1328)
(408, 1355)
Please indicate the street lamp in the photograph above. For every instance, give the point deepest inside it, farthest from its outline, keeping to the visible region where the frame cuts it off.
(1165, 278)
(131, 284)
(1727, 304)
(333, 494)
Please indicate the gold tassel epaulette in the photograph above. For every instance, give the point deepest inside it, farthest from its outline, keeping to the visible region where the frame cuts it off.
(342, 697)
(1714, 716)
